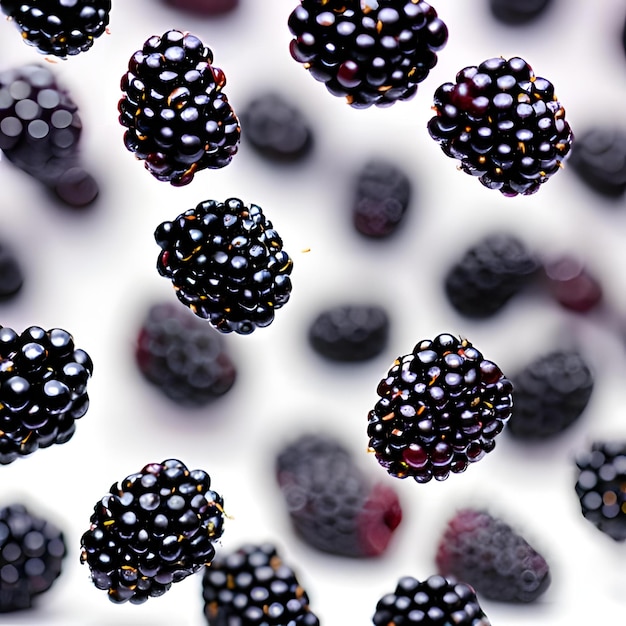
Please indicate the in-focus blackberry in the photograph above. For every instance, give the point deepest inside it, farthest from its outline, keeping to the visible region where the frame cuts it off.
(370, 52)
(43, 389)
(504, 124)
(252, 586)
(572, 285)
(205, 7)
(11, 274)
(440, 409)
(32, 550)
(518, 12)
(226, 263)
(178, 119)
(154, 528)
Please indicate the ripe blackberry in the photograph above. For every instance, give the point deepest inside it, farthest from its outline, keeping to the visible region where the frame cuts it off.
(504, 124)
(205, 7)
(32, 550)
(11, 275)
(178, 119)
(370, 52)
(154, 528)
(252, 586)
(440, 409)
(226, 263)
(43, 389)
(517, 12)
(572, 285)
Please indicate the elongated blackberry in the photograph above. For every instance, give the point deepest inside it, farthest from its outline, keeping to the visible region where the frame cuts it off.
(518, 12)
(11, 274)
(43, 389)
(226, 263)
(154, 528)
(178, 119)
(504, 124)
(440, 409)
(370, 52)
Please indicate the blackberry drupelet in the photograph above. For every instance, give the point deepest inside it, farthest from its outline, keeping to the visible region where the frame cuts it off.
(441, 408)
(43, 389)
(370, 52)
(226, 263)
(518, 12)
(178, 119)
(11, 274)
(504, 124)
(572, 285)
(153, 529)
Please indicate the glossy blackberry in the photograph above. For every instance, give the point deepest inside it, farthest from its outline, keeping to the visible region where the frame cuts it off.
(332, 504)
(504, 124)
(368, 52)
(178, 119)
(572, 284)
(518, 12)
(441, 408)
(43, 389)
(11, 274)
(205, 7)
(226, 263)
(154, 528)
(252, 586)
(32, 550)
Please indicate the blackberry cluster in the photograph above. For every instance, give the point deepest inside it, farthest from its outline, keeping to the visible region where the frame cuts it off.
(572, 285)
(154, 528)
(504, 124)
(11, 274)
(440, 409)
(43, 389)
(252, 586)
(227, 264)
(370, 52)
(178, 119)
(518, 12)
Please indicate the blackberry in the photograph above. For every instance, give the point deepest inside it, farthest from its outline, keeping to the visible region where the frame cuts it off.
(572, 285)
(178, 119)
(43, 389)
(32, 550)
(332, 504)
(153, 529)
(11, 274)
(504, 124)
(370, 52)
(183, 357)
(252, 586)
(441, 408)
(226, 263)
(205, 7)
(517, 12)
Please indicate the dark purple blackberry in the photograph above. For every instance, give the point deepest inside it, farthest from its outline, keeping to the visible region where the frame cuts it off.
(252, 586)
(205, 7)
(518, 12)
(435, 601)
(32, 550)
(226, 263)
(370, 52)
(182, 356)
(440, 409)
(333, 505)
(43, 389)
(178, 119)
(572, 285)
(11, 274)
(504, 124)
(154, 528)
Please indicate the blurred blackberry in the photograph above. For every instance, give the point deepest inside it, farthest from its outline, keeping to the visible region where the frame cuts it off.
(572, 285)
(332, 504)
(154, 528)
(43, 389)
(253, 586)
(11, 275)
(205, 7)
(504, 124)
(32, 550)
(368, 52)
(226, 263)
(440, 409)
(518, 12)
(489, 274)
(178, 119)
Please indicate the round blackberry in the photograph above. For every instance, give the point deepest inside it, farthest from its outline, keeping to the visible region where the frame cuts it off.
(154, 528)
(518, 12)
(43, 389)
(226, 263)
(11, 275)
(370, 52)
(178, 119)
(572, 285)
(504, 124)
(440, 409)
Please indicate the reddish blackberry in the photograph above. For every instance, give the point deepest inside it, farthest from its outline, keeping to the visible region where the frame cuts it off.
(226, 263)
(370, 52)
(440, 409)
(32, 550)
(178, 119)
(154, 528)
(43, 389)
(205, 7)
(252, 586)
(572, 285)
(11, 275)
(517, 12)
(504, 124)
